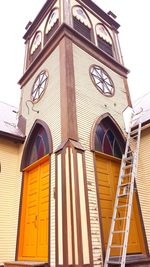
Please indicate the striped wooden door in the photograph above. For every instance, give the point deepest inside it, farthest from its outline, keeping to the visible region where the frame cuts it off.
(33, 240)
(107, 174)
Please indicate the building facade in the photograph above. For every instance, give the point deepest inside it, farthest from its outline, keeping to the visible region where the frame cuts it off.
(73, 93)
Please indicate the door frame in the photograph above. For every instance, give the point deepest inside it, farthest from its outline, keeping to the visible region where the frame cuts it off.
(28, 168)
(145, 244)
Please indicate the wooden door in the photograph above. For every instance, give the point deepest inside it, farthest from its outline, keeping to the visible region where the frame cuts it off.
(33, 239)
(107, 174)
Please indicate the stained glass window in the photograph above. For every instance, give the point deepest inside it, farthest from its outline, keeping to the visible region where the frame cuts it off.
(108, 139)
(40, 146)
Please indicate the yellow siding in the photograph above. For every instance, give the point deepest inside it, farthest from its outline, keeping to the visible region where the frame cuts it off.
(143, 181)
(49, 112)
(91, 104)
(10, 184)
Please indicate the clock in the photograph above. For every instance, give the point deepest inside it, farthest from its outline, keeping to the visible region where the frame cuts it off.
(102, 81)
(39, 86)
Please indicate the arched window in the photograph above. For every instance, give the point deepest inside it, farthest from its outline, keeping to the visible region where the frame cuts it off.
(103, 39)
(38, 144)
(35, 46)
(51, 24)
(108, 139)
(81, 22)
(39, 147)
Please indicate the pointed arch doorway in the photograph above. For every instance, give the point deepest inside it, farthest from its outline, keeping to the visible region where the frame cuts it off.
(108, 143)
(33, 239)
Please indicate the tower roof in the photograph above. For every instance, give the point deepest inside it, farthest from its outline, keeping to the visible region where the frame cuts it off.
(90, 4)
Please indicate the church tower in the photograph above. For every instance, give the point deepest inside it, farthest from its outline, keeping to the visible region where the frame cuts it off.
(73, 93)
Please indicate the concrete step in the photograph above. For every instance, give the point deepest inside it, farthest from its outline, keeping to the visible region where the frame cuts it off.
(25, 264)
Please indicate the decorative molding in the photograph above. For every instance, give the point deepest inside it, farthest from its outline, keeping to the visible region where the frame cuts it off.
(82, 42)
(67, 89)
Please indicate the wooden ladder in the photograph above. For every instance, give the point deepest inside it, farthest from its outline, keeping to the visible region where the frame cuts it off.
(120, 224)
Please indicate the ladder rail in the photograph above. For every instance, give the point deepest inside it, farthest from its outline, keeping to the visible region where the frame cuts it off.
(132, 167)
(134, 175)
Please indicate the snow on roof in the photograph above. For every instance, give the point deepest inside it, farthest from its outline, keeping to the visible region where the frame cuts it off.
(144, 103)
(9, 120)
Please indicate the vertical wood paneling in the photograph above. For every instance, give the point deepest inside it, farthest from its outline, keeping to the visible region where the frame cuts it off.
(69, 224)
(84, 230)
(74, 209)
(59, 198)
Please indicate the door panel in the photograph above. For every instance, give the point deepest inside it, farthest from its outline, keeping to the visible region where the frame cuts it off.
(42, 250)
(33, 239)
(107, 175)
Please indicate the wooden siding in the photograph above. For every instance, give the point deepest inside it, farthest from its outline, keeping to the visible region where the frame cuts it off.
(143, 180)
(91, 104)
(49, 112)
(10, 184)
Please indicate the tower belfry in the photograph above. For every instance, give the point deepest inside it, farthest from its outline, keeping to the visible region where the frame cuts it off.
(73, 93)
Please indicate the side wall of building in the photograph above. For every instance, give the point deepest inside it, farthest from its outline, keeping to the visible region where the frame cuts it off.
(48, 111)
(10, 183)
(91, 104)
(143, 181)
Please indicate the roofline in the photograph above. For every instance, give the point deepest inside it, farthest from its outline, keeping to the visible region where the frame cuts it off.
(13, 137)
(39, 17)
(42, 13)
(145, 125)
(101, 13)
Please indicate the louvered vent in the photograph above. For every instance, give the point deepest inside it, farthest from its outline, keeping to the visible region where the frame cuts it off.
(106, 47)
(81, 28)
(51, 32)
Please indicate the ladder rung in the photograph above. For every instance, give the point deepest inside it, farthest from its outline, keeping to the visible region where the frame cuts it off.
(122, 206)
(124, 195)
(126, 175)
(119, 232)
(136, 117)
(120, 218)
(116, 246)
(122, 185)
(128, 166)
(114, 262)
(128, 158)
(134, 132)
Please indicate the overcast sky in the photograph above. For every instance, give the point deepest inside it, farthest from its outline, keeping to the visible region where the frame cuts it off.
(133, 16)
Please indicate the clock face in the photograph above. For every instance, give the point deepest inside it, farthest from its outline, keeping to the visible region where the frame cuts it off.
(102, 81)
(39, 86)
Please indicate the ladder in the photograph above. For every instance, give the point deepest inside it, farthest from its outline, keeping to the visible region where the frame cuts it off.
(120, 224)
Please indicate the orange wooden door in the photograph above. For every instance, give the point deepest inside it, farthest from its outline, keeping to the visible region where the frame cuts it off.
(42, 239)
(33, 239)
(107, 174)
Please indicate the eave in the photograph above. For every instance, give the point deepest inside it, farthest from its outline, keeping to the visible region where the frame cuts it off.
(101, 13)
(65, 31)
(12, 137)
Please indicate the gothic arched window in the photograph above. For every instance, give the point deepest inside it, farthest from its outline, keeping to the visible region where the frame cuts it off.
(38, 144)
(108, 139)
(39, 147)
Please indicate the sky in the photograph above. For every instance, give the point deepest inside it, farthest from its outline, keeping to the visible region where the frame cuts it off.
(133, 16)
